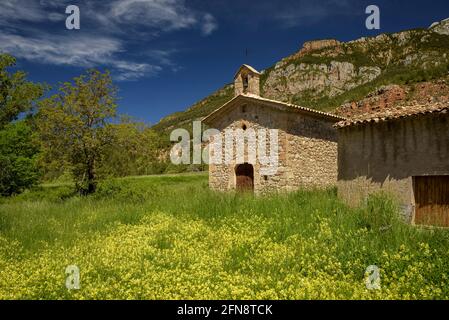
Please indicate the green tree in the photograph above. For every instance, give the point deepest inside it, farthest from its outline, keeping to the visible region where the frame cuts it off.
(135, 151)
(74, 126)
(17, 95)
(18, 158)
(18, 150)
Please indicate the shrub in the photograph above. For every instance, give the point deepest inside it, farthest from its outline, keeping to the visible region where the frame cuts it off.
(18, 155)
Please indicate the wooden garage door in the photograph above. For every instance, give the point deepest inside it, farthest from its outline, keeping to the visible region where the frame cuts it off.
(432, 200)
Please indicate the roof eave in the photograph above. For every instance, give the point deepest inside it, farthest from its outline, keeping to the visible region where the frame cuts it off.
(377, 118)
(212, 116)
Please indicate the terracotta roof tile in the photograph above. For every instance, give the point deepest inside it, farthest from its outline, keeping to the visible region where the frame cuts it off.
(395, 113)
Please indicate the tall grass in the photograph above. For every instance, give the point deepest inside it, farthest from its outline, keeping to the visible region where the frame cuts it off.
(171, 237)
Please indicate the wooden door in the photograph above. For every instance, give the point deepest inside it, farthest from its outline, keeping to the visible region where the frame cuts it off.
(244, 177)
(432, 200)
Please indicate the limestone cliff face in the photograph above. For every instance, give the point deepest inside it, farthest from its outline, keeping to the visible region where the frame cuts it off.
(329, 68)
(315, 45)
(441, 27)
(332, 79)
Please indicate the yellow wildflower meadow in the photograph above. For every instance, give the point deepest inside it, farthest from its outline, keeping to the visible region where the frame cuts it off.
(301, 246)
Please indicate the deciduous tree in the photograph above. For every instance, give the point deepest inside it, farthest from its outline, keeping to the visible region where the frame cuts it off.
(18, 150)
(135, 150)
(17, 94)
(18, 158)
(74, 126)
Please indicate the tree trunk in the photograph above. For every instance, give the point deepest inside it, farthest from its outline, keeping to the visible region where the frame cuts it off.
(91, 183)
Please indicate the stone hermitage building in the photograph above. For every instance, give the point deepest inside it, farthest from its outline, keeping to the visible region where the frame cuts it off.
(307, 141)
(402, 151)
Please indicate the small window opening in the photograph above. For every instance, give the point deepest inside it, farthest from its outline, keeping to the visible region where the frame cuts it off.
(265, 178)
(245, 83)
(244, 127)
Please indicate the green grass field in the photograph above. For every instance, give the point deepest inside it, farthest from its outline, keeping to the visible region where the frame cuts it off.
(170, 237)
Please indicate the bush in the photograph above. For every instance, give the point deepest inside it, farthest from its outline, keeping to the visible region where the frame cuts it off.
(172, 168)
(18, 154)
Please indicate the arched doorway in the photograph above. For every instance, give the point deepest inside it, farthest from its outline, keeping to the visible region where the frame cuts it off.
(244, 174)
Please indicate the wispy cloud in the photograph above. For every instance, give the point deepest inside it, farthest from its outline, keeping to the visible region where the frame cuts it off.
(151, 16)
(305, 12)
(21, 10)
(84, 51)
(115, 21)
(161, 14)
(80, 51)
(282, 14)
(209, 24)
(132, 71)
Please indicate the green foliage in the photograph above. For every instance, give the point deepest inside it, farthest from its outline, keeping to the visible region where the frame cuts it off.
(198, 111)
(73, 126)
(170, 237)
(18, 155)
(135, 150)
(17, 95)
(18, 151)
(184, 120)
(381, 213)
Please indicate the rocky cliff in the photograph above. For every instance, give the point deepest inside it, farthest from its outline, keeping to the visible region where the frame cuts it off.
(350, 77)
(441, 27)
(326, 74)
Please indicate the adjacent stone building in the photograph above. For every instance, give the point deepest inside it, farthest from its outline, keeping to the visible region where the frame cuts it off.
(306, 139)
(404, 152)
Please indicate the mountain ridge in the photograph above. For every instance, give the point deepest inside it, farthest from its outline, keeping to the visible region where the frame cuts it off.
(343, 77)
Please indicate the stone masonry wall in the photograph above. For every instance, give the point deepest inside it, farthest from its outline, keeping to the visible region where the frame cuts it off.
(307, 150)
(312, 153)
(253, 83)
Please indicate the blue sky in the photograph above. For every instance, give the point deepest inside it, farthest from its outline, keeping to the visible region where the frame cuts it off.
(167, 54)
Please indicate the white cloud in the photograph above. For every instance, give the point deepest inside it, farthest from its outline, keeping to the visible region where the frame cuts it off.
(133, 71)
(165, 15)
(209, 24)
(150, 16)
(56, 16)
(119, 21)
(16, 12)
(80, 51)
(21, 10)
